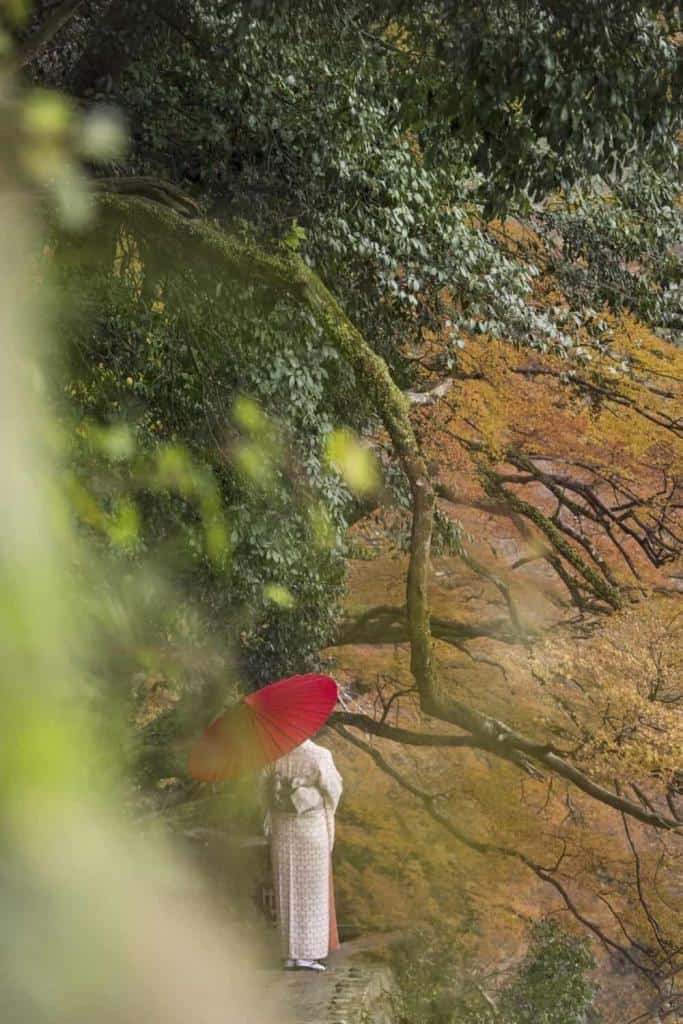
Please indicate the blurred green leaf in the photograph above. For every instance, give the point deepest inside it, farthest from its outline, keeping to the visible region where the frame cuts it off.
(124, 524)
(252, 461)
(353, 461)
(174, 470)
(116, 442)
(83, 503)
(47, 114)
(279, 595)
(216, 538)
(45, 160)
(75, 205)
(322, 527)
(249, 415)
(17, 10)
(102, 135)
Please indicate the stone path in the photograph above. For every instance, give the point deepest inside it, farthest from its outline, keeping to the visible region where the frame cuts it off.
(351, 990)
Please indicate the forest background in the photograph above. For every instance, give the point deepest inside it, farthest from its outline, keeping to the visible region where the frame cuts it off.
(367, 330)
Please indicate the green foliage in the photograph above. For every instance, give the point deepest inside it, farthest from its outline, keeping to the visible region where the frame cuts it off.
(294, 236)
(549, 986)
(325, 143)
(620, 246)
(551, 93)
(379, 140)
(427, 964)
(176, 462)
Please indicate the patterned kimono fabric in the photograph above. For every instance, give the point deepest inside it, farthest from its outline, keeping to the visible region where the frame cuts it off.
(302, 838)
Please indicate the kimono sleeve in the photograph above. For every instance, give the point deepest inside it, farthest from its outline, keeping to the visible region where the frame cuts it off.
(330, 782)
(265, 782)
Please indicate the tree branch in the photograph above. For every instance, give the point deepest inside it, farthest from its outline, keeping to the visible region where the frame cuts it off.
(286, 271)
(388, 624)
(398, 735)
(545, 874)
(595, 580)
(156, 189)
(45, 34)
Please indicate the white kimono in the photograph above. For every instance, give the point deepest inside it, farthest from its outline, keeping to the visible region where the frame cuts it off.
(302, 838)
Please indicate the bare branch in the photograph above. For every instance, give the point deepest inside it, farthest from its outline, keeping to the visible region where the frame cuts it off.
(652, 920)
(399, 735)
(545, 874)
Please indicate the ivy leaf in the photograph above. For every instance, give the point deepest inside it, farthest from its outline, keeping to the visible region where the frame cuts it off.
(294, 236)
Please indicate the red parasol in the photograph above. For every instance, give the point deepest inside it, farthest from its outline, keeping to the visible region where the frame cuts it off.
(262, 727)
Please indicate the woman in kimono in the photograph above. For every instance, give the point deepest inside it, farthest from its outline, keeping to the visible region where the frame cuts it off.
(303, 789)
